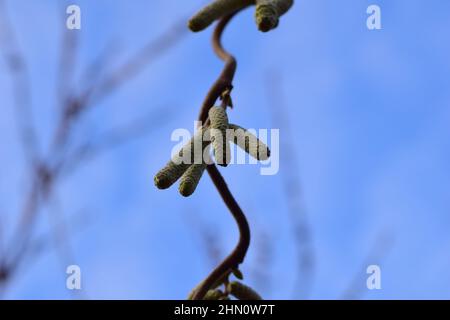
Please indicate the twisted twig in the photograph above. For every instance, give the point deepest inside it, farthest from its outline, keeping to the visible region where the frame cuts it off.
(224, 82)
(223, 85)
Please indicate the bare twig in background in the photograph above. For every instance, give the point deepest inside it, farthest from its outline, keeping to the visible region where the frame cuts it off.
(21, 86)
(46, 171)
(114, 138)
(263, 257)
(67, 63)
(61, 234)
(45, 242)
(381, 248)
(2, 248)
(116, 78)
(207, 236)
(100, 64)
(66, 68)
(292, 188)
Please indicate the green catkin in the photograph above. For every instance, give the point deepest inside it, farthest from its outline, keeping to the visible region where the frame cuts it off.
(214, 295)
(268, 13)
(190, 179)
(249, 142)
(190, 153)
(181, 162)
(242, 292)
(214, 11)
(168, 175)
(218, 131)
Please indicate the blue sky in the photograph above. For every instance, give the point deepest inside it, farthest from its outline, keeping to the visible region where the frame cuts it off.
(369, 112)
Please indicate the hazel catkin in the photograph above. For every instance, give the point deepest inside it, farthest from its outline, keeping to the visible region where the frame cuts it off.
(249, 142)
(168, 175)
(218, 131)
(180, 162)
(214, 295)
(190, 179)
(242, 292)
(268, 13)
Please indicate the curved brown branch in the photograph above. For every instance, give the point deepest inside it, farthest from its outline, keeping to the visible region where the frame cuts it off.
(222, 86)
(224, 82)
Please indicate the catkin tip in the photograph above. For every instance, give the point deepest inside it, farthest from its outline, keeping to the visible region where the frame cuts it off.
(265, 24)
(161, 183)
(263, 155)
(185, 191)
(164, 178)
(250, 143)
(186, 188)
(194, 25)
(190, 179)
(168, 175)
(266, 16)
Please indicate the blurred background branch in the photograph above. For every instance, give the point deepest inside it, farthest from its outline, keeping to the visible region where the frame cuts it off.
(20, 83)
(377, 254)
(46, 170)
(289, 171)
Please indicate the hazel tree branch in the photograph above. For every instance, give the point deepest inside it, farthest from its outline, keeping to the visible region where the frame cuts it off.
(223, 84)
(267, 15)
(237, 256)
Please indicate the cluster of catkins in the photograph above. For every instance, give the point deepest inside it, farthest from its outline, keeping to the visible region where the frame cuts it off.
(267, 13)
(191, 161)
